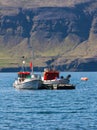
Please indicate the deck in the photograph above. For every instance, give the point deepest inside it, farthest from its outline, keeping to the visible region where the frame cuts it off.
(57, 86)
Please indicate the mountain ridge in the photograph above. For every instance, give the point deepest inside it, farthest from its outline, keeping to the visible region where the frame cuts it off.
(61, 36)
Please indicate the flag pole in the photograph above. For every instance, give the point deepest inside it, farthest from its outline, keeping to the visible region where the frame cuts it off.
(32, 56)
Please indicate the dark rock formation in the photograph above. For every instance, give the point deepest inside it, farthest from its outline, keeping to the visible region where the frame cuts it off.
(57, 33)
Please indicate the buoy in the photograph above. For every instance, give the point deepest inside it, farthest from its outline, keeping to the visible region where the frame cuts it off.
(84, 78)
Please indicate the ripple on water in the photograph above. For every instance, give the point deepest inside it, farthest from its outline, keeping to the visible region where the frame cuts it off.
(49, 109)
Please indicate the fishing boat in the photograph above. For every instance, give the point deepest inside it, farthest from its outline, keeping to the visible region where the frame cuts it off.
(27, 80)
(51, 76)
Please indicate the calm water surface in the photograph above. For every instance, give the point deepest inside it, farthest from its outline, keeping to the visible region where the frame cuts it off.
(49, 109)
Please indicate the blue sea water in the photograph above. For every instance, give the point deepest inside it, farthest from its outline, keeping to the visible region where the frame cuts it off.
(49, 109)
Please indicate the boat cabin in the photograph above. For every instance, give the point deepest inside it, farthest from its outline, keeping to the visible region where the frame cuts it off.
(50, 75)
(24, 74)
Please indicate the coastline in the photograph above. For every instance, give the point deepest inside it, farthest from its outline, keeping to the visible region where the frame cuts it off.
(41, 69)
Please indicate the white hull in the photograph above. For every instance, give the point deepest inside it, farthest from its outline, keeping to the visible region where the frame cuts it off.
(28, 84)
(56, 81)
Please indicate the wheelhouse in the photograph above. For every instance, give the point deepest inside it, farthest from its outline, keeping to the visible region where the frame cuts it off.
(24, 74)
(50, 75)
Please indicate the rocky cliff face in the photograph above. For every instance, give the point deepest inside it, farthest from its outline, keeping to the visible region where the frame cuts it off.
(61, 36)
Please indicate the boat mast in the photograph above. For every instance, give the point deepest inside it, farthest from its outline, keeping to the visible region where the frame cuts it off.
(32, 58)
(32, 54)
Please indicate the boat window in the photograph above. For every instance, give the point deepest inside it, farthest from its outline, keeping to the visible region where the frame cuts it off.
(24, 75)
